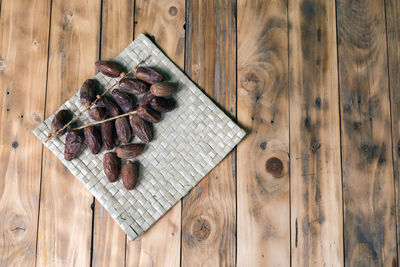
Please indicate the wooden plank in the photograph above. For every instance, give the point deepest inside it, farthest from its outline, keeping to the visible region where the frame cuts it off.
(393, 39)
(163, 20)
(262, 159)
(65, 219)
(209, 210)
(368, 185)
(24, 33)
(117, 33)
(316, 187)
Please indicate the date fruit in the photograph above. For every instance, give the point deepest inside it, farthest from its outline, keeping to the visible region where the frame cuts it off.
(97, 113)
(88, 92)
(123, 100)
(108, 68)
(133, 86)
(130, 175)
(73, 144)
(163, 89)
(108, 134)
(93, 139)
(148, 75)
(148, 114)
(124, 132)
(59, 121)
(141, 128)
(112, 166)
(146, 98)
(112, 109)
(162, 104)
(129, 151)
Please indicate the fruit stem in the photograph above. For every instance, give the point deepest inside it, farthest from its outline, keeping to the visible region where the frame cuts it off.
(51, 135)
(102, 121)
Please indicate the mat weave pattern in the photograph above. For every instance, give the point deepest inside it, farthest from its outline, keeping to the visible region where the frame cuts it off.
(188, 143)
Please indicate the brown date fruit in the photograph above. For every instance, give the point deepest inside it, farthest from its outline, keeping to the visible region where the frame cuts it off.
(108, 68)
(97, 113)
(73, 144)
(112, 166)
(59, 121)
(124, 132)
(148, 75)
(130, 174)
(88, 92)
(141, 128)
(148, 114)
(108, 134)
(93, 139)
(133, 86)
(129, 151)
(163, 89)
(162, 104)
(112, 109)
(146, 98)
(123, 100)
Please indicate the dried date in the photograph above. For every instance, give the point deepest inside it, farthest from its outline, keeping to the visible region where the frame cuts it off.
(146, 98)
(88, 92)
(141, 128)
(124, 132)
(129, 151)
(108, 134)
(97, 113)
(133, 86)
(108, 68)
(112, 166)
(93, 139)
(148, 114)
(59, 121)
(112, 109)
(163, 89)
(123, 100)
(148, 75)
(130, 174)
(162, 104)
(73, 144)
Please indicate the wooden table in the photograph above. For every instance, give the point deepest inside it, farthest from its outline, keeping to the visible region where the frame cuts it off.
(316, 85)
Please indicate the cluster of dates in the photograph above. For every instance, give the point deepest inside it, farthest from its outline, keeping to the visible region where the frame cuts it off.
(155, 99)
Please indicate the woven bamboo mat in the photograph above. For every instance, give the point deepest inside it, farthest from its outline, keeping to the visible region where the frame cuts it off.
(188, 143)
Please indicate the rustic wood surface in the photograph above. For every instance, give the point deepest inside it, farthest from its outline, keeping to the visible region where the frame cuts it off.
(315, 83)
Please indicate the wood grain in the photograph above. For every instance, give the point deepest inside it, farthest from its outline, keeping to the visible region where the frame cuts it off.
(368, 185)
(117, 32)
(163, 21)
(393, 39)
(65, 219)
(316, 195)
(263, 157)
(23, 66)
(208, 211)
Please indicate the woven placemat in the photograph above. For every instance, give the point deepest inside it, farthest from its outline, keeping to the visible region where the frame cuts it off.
(188, 143)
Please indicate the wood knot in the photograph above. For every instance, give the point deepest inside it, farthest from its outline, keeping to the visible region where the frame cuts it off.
(17, 224)
(14, 144)
(274, 166)
(173, 11)
(201, 229)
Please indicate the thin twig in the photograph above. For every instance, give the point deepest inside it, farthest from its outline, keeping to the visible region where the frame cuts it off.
(51, 135)
(102, 121)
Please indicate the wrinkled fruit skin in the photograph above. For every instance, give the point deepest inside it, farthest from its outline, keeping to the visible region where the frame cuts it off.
(93, 139)
(163, 89)
(148, 75)
(129, 151)
(148, 114)
(141, 128)
(133, 86)
(73, 144)
(130, 174)
(124, 132)
(146, 98)
(108, 134)
(112, 109)
(108, 68)
(97, 113)
(88, 92)
(112, 166)
(162, 104)
(59, 121)
(124, 101)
